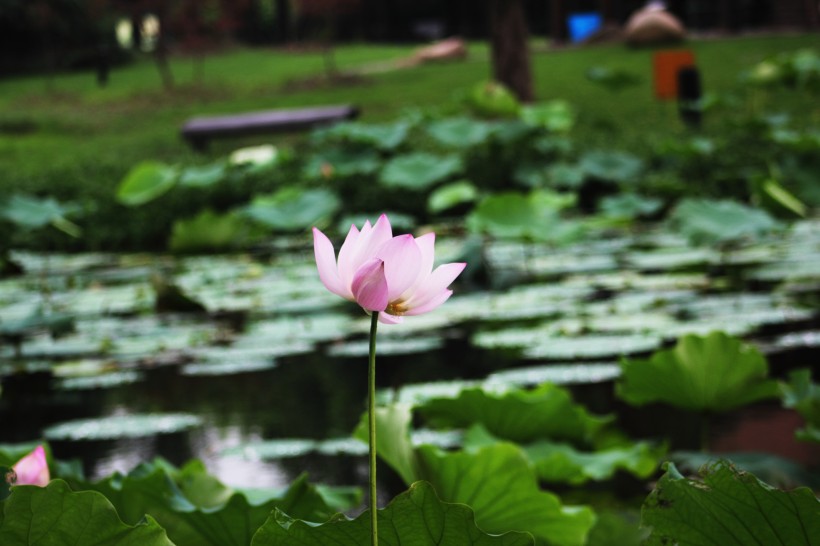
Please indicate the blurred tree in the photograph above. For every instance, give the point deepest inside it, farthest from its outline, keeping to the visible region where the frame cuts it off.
(328, 11)
(509, 39)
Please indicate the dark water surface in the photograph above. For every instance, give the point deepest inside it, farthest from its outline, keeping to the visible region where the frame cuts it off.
(276, 357)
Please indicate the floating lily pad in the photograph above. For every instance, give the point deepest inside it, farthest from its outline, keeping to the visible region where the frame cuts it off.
(559, 374)
(122, 426)
(273, 449)
(103, 381)
(592, 346)
(387, 347)
(229, 367)
(418, 393)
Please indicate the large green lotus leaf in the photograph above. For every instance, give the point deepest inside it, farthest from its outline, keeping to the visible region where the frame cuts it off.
(292, 209)
(30, 212)
(556, 115)
(207, 232)
(337, 162)
(729, 508)
(145, 182)
(803, 395)
(419, 170)
(513, 215)
(613, 166)
(499, 484)
(497, 481)
(201, 176)
(460, 132)
(559, 462)
(415, 517)
(706, 221)
(776, 471)
(716, 372)
(546, 412)
(196, 509)
(450, 195)
(57, 515)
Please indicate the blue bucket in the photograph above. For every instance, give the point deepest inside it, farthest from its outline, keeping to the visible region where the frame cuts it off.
(583, 25)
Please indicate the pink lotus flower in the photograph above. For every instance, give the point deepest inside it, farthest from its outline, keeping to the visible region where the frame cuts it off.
(391, 275)
(32, 469)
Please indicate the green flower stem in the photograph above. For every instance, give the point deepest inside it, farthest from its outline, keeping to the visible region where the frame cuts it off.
(371, 411)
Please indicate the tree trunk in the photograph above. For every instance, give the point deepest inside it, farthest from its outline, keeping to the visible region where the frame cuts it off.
(510, 47)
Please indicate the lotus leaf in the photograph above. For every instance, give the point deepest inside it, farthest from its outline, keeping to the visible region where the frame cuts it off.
(460, 132)
(293, 209)
(494, 100)
(145, 182)
(709, 222)
(208, 232)
(557, 115)
(546, 412)
(716, 372)
(496, 481)
(419, 170)
(52, 515)
(384, 136)
(416, 516)
(30, 212)
(201, 176)
(612, 166)
(630, 206)
(337, 162)
(803, 395)
(730, 508)
(514, 215)
(451, 195)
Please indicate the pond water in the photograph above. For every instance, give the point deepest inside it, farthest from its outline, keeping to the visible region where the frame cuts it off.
(270, 381)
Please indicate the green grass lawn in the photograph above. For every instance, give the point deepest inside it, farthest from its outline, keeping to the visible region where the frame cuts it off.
(69, 138)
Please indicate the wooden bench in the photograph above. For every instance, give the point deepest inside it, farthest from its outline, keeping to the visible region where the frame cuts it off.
(200, 131)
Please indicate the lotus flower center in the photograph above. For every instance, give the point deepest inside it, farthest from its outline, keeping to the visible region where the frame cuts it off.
(396, 308)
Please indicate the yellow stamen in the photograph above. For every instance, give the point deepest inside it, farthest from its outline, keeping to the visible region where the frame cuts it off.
(396, 308)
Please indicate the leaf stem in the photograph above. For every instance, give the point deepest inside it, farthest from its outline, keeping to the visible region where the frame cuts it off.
(371, 411)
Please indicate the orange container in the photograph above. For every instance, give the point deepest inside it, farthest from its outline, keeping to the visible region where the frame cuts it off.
(666, 65)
